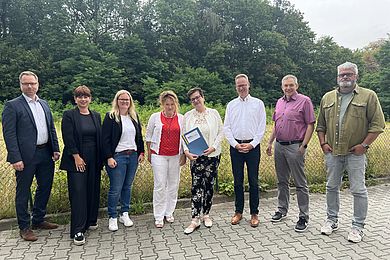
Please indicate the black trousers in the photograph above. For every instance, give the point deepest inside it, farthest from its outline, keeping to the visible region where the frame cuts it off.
(252, 161)
(42, 167)
(203, 171)
(84, 193)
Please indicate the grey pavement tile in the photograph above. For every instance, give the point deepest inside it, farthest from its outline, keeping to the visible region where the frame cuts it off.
(163, 254)
(216, 247)
(248, 252)
(174, 249)
(223, 240)
(190, 251)
(119, 254)
(61, 253)
(45, 257)
(17, 253)
(104, 253)
(178, 256)
(90, 250)
(147, 251)
(309, 254)
(206, 253)
(282, 256)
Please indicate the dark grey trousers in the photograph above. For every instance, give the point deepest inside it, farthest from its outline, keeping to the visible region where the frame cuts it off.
(290, 162)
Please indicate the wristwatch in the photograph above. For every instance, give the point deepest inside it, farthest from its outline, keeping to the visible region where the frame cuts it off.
(366, 146)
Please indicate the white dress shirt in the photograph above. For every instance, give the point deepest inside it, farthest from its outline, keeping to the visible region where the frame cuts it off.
(245, 119)
(39, 118)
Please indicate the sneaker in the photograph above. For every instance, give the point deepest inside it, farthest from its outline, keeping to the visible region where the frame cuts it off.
(329, 227)
(79, 239)
(355, 235)
(170, 219)
(207, 221)
(93, 226)
(124, 218)
(278, 216)
(301, 224)
(159, 223)
(195, 224)
(113, 224)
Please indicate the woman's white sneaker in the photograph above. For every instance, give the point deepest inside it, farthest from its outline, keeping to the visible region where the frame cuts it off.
(113, 224)
(125, 219)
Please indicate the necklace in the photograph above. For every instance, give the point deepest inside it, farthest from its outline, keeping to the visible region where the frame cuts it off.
(168, 121)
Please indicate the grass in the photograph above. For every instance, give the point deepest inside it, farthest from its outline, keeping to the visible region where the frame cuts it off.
(378, 166)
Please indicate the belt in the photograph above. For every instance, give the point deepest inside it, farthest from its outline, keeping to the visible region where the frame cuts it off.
(289, 142)
(41, 146)
(244, 141)
(125, 152)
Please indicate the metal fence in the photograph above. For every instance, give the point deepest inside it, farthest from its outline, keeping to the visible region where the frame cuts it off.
(378, 166)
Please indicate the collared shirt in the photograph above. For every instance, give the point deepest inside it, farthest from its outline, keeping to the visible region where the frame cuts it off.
(363, 115)
(245, 119)
(39, 118)
(292, 116)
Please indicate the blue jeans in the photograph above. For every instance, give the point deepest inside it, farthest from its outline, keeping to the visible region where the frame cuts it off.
(121, 180)
(356, 168)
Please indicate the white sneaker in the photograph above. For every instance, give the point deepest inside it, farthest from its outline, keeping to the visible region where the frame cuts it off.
(112, 224)
(355, 235)
(124, 218)
(329, 227)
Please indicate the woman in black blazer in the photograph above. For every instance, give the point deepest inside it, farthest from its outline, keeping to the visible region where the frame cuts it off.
(81, 133)
(123, 149)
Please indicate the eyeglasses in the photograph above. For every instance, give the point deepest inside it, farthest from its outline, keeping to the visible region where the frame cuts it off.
(195, 98)
(124, 99)
(29, 84)
(348, 75)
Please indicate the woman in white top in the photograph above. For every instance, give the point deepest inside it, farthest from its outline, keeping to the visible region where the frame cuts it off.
(123, 149)
(204, 167)
(166, 156)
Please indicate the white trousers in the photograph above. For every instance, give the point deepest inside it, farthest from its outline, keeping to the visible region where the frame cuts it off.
(166, 170)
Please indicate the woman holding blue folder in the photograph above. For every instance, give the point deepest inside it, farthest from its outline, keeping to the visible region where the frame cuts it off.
(203, 167)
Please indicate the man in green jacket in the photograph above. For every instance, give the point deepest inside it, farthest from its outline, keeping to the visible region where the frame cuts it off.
(350, 119)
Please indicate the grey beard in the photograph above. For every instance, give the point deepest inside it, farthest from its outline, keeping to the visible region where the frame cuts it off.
(346, 86)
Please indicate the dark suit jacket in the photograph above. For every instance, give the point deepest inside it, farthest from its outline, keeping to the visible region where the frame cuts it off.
(20, 132)
(73, 139)
(111, 134)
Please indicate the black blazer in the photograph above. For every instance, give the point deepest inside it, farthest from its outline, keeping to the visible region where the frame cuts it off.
(20, 131)
(72, 137)
(111, 134)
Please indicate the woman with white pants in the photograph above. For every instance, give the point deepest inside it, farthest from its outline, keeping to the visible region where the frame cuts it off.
(166, 156)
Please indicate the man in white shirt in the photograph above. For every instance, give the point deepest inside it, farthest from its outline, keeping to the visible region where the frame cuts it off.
(244, 127)
(32, 146)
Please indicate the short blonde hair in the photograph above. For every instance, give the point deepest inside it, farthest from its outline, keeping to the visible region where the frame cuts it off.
(241, 76)
(115, 114)
(169, 94)
(27, 72)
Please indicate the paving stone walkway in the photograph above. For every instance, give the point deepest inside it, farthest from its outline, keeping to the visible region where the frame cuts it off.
(222, 241)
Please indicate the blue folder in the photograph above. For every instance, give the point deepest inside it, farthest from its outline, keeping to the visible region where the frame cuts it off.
(195, 141)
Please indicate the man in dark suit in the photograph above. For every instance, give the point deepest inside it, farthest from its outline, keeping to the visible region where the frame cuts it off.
(32, 147)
